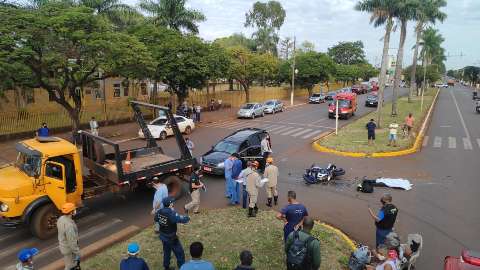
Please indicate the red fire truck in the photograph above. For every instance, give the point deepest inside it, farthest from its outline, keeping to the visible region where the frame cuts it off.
(347, 105)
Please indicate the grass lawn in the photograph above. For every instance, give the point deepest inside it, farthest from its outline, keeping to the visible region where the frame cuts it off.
(224, 234)
(353, 137)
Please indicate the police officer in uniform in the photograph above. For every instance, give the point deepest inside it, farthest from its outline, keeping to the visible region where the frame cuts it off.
(253, 183)
(167, 219)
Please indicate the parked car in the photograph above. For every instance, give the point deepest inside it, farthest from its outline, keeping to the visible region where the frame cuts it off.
(372, 100)
(330, 95)
(358, 89)
(345, 90)
(366, 86)
(316, 98)
(251, 110)
(245, 142)
(441, 85)
(160, 128)
(273, 106)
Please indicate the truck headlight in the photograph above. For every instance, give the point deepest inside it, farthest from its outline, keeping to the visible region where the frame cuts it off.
(220, 165)
(4, 207)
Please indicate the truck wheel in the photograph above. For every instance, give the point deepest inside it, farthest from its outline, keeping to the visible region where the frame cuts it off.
(175, 186)
(44, 222)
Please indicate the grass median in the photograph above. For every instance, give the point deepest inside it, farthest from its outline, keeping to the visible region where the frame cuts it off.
(224, 234)
(353, 137)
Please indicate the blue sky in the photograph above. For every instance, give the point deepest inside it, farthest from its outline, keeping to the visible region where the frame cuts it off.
(326, 22)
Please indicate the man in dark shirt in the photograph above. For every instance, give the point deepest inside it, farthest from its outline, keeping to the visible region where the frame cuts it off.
(133, 262)
(43, 131)
(195, 186)
(167, 219)
(371, 126)
(385, 219)
(246, 260)
(313, 258)
(292, 214)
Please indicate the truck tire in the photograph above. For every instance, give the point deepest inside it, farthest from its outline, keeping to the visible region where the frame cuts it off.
(175, 186)
(43, 224)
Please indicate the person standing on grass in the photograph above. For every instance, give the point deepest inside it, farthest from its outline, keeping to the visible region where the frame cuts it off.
(246, 261)
(228, 170)
(385, 219)
(409, 122)
(167, 218)
(196, 263)
(271, 173)
(371, 126)
(292, 215)
(253, 183)
(312, 259)
(133, 262)
(392, 136)
(195, 187)
(43, 131)
(243, 177)
(93, 126)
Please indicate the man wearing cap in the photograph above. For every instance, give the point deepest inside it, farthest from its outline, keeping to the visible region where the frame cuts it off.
(385, 219)
(25, 256)
(133, 262)
(253, 183)
(195, 186)
(68, 236)
(167, 219)
(271, 173)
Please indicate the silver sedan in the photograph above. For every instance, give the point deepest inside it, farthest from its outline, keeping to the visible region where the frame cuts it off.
(251, 110)
(273, 106)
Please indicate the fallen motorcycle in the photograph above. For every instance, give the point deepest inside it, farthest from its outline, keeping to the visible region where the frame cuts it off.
(316, 174)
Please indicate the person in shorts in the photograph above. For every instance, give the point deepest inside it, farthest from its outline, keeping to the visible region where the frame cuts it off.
(409, 120)
(392, 134)
(371, 126)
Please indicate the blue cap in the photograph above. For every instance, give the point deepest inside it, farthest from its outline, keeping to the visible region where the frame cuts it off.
(25, 254)
(167, 201)
(133, 248)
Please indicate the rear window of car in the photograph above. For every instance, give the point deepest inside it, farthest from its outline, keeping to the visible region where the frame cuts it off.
(316, 95)
(248, 106)
(270, 102)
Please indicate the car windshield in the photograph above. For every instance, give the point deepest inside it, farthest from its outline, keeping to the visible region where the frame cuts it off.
(248, 106)
(227, 147)
(331, 94)
(344, 103)
(316, 95)
(270, 102)
(372, 97)
(28, 163)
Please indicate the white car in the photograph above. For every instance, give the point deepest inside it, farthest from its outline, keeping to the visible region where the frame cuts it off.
(441, 85)
(160, 129)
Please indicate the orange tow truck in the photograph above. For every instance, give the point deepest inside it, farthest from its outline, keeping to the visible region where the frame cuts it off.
(347, 105)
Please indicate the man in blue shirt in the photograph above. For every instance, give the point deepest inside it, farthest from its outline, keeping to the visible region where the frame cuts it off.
(161, 192)
(196, 263)
(133, 262)
(292, 214)
(228, 167)
(43, 131)
(167, 219)
(385, 219)
(236, 170)
(371, 126)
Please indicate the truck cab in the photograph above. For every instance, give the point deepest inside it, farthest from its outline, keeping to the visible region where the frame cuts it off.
(347, 105)
(46, 174)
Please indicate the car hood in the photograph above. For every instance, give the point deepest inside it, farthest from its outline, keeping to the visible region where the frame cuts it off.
(214, 157)
(14, 182)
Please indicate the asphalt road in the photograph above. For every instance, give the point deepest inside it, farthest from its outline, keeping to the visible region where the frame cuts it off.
(442, 205)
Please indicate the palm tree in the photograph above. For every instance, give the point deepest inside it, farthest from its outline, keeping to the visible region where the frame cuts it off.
(382, 13)
(173, 14)
(427, 12)
(432, 50)
(118, 13)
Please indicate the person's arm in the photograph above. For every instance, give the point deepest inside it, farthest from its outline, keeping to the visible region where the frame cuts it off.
(181, 219)
(199, 185)
(387, 267)
(316, 256)
(282, 215)
(375, 217)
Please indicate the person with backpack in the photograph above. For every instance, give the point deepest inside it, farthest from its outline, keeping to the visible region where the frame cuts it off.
(292, 215)
(303, 250)
(385, 219)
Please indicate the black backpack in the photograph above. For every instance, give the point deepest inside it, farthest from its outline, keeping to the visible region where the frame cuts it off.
(297, 255)
(366, 186)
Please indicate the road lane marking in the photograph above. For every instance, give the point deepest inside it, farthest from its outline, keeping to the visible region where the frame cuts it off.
(425, 141)
(437, 142)
(279, 131)
(292, 131)
(452, 142)
(460, 115)
(232, 124)
(467, 144)
(445, 126)
(276, 128)
(312, 134)
(321, 120)
(301, 132)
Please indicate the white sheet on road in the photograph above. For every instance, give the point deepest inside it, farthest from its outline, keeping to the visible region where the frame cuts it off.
(395, 183)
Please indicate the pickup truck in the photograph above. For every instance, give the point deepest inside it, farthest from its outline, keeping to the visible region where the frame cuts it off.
(50, 171)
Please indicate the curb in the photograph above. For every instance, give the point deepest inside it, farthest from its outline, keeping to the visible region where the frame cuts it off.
(98, 246)
(339, 233)
(417, 145)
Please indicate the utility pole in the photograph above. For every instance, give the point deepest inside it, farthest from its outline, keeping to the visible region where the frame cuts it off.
(293, 73)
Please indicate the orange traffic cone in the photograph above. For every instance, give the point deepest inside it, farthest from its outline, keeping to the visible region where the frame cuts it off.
(127, 165)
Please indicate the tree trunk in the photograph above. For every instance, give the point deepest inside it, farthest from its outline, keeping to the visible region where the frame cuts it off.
(413, 74)
(247, 92)
(208, 94)
(383, 70)
(310, 91)
(153, 96)
(230, 84)
(75, 117)
(398, 67)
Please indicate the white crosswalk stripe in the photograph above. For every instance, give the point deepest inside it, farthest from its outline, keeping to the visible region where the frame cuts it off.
(437, 142)
(452, 142)
(301, 132)
(467, 144)
(311, 134)
(276, 128)
(279, 131)
(292, 131)
(425, 141)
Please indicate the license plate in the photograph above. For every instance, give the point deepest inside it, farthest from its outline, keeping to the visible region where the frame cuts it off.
(207, 169)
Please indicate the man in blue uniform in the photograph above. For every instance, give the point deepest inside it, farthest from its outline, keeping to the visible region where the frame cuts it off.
(167, 219)
(133, 262)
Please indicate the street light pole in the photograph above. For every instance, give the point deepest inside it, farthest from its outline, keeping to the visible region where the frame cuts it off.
(336, 118)
(293, 73)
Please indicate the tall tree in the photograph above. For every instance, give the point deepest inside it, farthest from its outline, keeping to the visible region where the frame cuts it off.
(348, 53)
(404, 11)
(307, 46)
(173, 14)
(428, 11)
(235, 40)
(60, 49)
(286, 48)
(268, 18)
(472, 74)
(382, 13)
(432, 50)
(118, 13)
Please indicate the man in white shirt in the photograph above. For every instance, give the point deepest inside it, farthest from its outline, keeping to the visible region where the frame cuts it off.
(190, 145)
(392, 137)
(94, 126)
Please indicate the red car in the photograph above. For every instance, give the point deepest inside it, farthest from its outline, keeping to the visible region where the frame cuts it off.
(470, 260)
(358, 89)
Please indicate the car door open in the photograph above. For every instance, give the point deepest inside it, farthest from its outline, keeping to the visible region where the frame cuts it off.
(54, 180)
